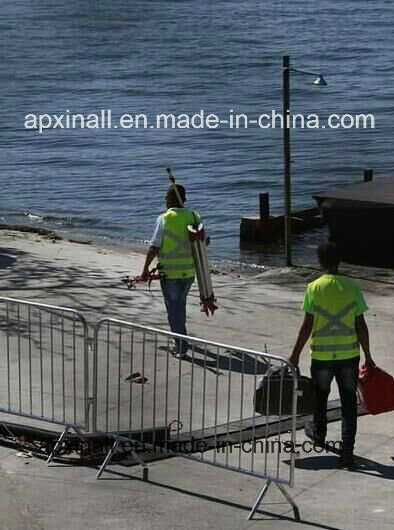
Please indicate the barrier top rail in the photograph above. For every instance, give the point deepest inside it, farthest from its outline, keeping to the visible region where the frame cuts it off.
(45, 306)
(197, 340)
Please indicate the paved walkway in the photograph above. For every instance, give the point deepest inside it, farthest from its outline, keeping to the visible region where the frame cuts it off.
(183, 494)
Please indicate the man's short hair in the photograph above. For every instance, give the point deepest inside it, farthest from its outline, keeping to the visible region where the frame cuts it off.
(329, 255)
(171, 194)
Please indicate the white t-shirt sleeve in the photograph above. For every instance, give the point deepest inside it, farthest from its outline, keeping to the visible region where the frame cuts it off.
(157, 238)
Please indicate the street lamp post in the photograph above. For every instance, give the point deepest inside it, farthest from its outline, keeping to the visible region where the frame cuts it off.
(286, 157)
(286, 149)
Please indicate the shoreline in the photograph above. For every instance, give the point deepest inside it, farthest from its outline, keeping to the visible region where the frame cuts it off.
(219, 265)
(39, 244)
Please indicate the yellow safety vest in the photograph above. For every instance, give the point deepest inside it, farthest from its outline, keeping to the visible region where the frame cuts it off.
(175, 254)
(334, 303)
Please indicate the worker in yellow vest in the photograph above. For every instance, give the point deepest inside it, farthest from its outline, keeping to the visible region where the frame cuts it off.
(171, 245)
(334, 309)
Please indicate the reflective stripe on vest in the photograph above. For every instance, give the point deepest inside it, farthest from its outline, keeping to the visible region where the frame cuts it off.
(335, 327)
(182, 248)
(334, 347)
(175, 255)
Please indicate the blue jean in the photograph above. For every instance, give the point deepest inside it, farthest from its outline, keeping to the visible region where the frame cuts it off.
(175, 294)
(346, 376)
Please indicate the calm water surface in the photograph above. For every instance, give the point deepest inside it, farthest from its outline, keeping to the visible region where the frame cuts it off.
(182, 56)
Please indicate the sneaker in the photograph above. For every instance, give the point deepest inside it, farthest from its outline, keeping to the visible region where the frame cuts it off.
(310, 432)
(177, 354)
(347, 459)
(180, 355)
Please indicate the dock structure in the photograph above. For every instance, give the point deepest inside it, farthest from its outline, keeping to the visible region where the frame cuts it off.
(360, 218)
(266, 228)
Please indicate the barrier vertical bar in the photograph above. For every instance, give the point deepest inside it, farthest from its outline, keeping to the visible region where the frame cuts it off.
(228, 404)
(19, 361)
(63, 368)
(8, 357)
(241, 409)
(143, 386)
(191, 393)
(30, 365)
(52, 370)
(75, 378)
(119, 373)
(41, 364)
(216, 401)
(131, 384)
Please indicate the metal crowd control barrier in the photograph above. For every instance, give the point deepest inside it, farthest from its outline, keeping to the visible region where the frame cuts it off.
(44, 364)
(203, 402)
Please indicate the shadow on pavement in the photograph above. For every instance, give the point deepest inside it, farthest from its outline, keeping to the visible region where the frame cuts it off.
(6, 260)
(233, 361)
(267, 515)
(361, 465)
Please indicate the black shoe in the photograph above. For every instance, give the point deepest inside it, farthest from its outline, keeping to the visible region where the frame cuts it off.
(310, 432)
(346, 459)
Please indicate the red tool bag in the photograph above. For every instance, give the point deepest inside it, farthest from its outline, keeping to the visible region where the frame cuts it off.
(375, 390)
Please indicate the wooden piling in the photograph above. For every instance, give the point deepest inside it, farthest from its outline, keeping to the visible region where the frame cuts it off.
(368, 175)
(264, 206)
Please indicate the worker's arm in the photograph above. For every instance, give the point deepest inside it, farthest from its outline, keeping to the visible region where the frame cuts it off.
(303, 336)
(363, 338)
(152, 253)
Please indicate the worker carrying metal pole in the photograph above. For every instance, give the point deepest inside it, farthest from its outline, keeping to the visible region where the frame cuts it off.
(172, 245)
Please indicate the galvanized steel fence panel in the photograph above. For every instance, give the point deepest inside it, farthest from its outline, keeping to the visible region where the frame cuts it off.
(44, 363)
(204, 403)
(206, 400)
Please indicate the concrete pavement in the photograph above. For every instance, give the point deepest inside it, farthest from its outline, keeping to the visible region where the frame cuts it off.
(182, 494)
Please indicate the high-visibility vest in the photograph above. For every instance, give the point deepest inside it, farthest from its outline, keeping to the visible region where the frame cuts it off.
(334, 300)
(175, 254)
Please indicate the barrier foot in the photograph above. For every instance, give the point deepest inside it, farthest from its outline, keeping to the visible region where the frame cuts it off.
(284, 493)
(145, 469)
(60, 440)
(290, 500)
(108, 458)
(259, 499)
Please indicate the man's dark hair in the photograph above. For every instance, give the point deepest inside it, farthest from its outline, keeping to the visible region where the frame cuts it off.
(172, 195)
(329, 255)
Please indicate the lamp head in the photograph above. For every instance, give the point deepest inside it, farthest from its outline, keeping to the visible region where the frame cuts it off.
(320, 81)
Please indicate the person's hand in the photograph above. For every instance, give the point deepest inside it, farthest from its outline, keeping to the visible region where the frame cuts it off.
(369, 361)
(294, 360)
(145, 275)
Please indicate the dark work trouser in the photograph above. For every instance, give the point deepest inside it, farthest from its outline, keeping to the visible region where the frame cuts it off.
(175, 294)
(346, 376)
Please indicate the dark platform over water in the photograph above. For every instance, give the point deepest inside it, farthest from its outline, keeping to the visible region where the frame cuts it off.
(379, 193)
(361, 220)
